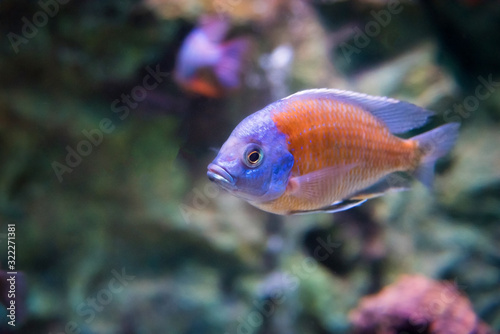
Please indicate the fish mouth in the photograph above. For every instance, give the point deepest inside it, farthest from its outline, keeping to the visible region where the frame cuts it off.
(220, 176)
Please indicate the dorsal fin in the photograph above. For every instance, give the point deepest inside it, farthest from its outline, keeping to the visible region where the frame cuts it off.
(398, 116)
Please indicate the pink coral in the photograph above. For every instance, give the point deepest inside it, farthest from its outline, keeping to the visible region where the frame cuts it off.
(417, 304)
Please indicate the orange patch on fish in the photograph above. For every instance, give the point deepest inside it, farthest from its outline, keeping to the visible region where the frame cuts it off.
(324, 134)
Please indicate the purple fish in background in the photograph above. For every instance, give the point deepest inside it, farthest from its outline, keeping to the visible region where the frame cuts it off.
(207, 64)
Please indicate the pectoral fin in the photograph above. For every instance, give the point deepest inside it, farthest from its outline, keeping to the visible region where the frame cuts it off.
(317, 185)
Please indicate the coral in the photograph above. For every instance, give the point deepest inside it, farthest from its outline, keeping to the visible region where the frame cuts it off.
(417, 304)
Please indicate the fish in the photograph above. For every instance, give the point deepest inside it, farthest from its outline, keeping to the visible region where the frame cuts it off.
(208, 65)
(328, 150)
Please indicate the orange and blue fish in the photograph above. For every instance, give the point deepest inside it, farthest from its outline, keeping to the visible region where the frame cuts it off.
(207, 64)
(328, 150)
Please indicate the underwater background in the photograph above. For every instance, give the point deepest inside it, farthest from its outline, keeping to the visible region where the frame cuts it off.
(103, 160)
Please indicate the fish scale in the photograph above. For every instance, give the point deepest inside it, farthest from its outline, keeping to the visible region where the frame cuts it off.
(342, 134)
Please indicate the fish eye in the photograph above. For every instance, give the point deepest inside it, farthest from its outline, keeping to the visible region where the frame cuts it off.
(253, 156)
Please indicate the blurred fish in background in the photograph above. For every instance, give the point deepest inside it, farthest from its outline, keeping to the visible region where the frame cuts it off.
(207, 64)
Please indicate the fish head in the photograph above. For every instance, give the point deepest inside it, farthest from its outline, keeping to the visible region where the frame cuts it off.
(255, 168)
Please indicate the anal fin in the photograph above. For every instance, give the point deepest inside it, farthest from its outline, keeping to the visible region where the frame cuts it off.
(334, 207)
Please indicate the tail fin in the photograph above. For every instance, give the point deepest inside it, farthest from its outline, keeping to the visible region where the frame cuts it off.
(435, 144)
(228, 68)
